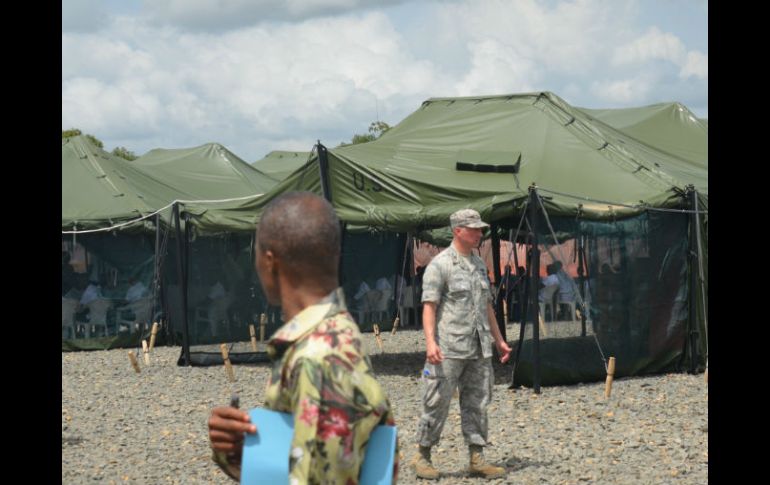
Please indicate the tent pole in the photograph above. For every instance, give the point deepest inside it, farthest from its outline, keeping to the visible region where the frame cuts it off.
(534, 286)
(413, 276)
(496, 273)
(693, 333)
(701, 279)
(581, 277)
(185, 360)
(523, 293)
(323, 166)
(156, 275)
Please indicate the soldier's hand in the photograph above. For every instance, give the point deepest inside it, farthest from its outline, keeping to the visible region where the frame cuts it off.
(227, 426)
(504, 350)
(434, 354)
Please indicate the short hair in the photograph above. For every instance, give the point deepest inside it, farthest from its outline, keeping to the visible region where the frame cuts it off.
(302, 230)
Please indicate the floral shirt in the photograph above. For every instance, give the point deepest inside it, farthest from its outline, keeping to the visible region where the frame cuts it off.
(322, 375)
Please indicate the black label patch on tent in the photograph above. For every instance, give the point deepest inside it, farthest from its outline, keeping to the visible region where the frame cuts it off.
(488, 161)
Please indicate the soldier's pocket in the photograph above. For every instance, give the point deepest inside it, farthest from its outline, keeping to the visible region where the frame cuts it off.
(432, 380)
(459, 289)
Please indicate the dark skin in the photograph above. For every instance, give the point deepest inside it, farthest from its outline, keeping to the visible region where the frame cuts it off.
(294, 289)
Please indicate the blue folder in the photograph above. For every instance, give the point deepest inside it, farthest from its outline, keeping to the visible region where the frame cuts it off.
(266, 453)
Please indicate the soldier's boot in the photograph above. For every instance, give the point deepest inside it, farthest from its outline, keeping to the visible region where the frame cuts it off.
(423, 466)
(479, 467)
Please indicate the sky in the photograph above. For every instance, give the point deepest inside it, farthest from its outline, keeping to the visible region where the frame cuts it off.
(263, 75)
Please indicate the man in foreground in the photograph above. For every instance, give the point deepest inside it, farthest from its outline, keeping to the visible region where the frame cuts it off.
(320, 372)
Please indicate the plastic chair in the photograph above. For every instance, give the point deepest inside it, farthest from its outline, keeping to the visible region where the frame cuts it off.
(213, 314)
(68, 309)
(97, 315)
(134, 313)
(548, 293)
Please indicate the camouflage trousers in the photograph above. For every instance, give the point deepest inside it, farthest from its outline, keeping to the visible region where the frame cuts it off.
(473, 378)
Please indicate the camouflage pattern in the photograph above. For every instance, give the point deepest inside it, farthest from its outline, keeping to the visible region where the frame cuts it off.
(474, 378)
(323, 376)
(460, 288)
(467, 218)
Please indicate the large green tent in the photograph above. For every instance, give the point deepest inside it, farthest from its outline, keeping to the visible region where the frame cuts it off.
(616, 178)
(408, 180)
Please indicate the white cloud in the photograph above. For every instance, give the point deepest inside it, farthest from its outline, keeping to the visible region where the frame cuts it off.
(495, 69)
(651, 46)
(268, 80)
(623, 92)
(219, 15)
(697, 65)
(82, 15)
(155, 80)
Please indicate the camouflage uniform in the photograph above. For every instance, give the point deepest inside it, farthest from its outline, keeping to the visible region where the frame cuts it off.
(322, 375)
(460, 288)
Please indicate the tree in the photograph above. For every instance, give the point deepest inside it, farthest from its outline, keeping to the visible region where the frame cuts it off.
(123, 152)
(75, 132)
(376, 130)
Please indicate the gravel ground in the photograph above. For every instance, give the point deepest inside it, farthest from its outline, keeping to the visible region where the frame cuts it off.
(122, 427)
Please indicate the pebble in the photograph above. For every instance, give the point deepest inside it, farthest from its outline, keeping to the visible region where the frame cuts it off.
(151, 427)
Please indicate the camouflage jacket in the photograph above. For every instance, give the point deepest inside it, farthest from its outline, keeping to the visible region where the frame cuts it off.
(322, 375)
(461, 293)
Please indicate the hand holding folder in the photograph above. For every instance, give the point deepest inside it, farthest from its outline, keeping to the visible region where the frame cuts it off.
(266, 453)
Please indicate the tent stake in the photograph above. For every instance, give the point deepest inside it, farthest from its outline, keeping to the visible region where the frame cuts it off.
(253, 334)
(262, 324)
(228, 365)
(610, 377)
(153, 334)
(146, 352)
(377, 335)
(132, 358)
(395, 325)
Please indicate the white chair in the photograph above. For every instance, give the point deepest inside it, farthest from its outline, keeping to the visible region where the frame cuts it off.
(68, 309)
(374, 302)
(97, 315)
(134, 313)
(548, 293)
(214, 314)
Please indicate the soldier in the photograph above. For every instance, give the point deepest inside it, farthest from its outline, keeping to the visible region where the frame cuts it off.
(460, 326)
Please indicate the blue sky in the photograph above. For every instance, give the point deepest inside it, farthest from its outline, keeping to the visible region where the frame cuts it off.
(267, 75)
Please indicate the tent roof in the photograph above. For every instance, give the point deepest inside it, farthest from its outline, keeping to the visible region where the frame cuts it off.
(408, 178)
(572, 158)
(280, 164)
(207, 172)
(100, 189)
(670, 127)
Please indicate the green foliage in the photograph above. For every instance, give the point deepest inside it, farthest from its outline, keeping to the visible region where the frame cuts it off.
(376, 130)
(123, 152)
(75, 132)
(95, 140)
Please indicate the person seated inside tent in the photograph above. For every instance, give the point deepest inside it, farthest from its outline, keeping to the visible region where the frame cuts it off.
(92, 292)
(566, 286)
(549, 280)
(136, 290)
(360, 300)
